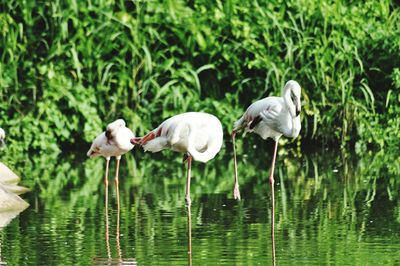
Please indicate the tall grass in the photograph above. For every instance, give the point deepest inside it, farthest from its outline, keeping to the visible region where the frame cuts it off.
(68, 68)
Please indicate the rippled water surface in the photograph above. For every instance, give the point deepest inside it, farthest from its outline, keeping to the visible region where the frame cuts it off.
(329, 210)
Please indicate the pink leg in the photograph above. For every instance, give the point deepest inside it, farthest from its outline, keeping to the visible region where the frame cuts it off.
(189, 161)
(106, 182)
(236, 192)
(271, 183)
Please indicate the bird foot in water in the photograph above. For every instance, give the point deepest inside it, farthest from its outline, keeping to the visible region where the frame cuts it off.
(236, 192)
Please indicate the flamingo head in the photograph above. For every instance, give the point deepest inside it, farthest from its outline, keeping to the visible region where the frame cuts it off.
(292, 94)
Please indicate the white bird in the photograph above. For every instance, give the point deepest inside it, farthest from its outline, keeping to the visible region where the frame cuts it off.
(271, 117)
(198, 135)
(2, 137)
(115, 141)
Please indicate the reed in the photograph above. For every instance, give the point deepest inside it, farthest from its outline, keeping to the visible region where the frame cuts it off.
(67, 68)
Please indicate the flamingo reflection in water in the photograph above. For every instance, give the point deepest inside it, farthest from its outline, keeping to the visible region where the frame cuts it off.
(271, 117)
(110, 260)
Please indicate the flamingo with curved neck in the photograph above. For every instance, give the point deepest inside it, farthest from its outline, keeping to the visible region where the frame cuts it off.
(271, 117)
(198, 135)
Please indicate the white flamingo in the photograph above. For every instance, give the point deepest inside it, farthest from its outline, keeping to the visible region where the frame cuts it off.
(115, 141)
(198, 135)
(271, 117)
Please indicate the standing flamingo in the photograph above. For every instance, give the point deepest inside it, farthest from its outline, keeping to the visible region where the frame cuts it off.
(271, 117)
(115, 141)
(198, 135)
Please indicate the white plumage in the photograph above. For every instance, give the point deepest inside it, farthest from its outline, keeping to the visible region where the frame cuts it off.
(199, 135)
(115, 141)
(272, 117)
(2, 136)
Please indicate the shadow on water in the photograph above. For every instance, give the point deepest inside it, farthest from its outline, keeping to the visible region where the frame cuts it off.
(330, 208)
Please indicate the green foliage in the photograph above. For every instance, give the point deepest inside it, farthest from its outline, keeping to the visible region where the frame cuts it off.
(67, 69)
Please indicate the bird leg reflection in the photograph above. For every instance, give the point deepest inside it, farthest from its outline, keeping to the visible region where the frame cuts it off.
(189, 161)
(110, 260)
(107, 236)
(117, 181)
(236, 192)
(271, 183)
(117, 230)
(189, 221)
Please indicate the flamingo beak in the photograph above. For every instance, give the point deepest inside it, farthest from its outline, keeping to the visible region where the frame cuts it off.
(297, 112)
(108, 134)
(135, 141)
(298, 108)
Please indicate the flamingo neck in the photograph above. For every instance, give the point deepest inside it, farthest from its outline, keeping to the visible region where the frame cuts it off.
(288, 101)
(213, 146)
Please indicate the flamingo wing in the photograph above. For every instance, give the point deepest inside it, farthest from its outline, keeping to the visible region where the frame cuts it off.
(264, 112)
(98, 143)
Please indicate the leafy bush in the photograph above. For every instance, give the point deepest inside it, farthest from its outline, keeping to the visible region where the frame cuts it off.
(66, 69)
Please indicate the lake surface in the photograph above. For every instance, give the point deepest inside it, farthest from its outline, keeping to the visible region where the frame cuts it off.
(331, 209)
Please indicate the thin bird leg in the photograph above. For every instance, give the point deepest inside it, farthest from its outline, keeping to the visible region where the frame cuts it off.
(117, 181)
(107, 167)
(272, 182)
(271, 175)
(189, 161)
(236, 192)
(106, 182)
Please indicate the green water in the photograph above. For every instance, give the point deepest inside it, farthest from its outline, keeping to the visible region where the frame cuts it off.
(331, 209)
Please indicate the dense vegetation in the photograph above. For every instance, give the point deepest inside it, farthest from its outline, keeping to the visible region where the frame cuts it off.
(68, 68)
